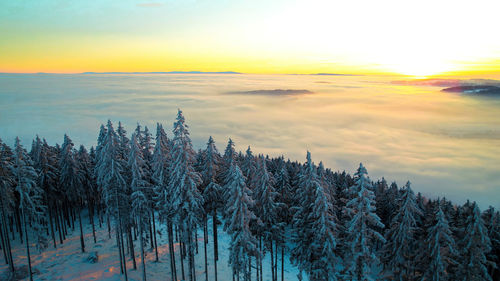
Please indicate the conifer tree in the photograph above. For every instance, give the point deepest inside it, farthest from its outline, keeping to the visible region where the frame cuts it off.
(399, 251)
(440, 247)
(212, 190)
(30, 199)
(243, 244)
(164, 195)
(7, 199)
(184, 182)
(315, 228)
(266, 208)
(361, 229)
(140, 206)
(474, 247)
(70, 179)
(110, 178)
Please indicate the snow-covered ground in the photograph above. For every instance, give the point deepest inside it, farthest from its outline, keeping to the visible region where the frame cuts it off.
(67, 262)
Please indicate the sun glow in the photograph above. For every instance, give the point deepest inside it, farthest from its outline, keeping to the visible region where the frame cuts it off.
(419, 38)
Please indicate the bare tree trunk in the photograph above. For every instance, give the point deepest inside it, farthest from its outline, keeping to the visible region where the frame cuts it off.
(82, 242)
(154, 231)
(51, 226)
(181, 246)
(131, 247)
(91, 216)
(142, 252)
(27, 246)
(171, 249)
(214, 230)
(59, 226)
(123, 253)
(205, 242)
(272, 261)
(282, 262)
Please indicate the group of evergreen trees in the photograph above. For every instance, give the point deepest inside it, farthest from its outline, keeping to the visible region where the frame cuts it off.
(335, 226)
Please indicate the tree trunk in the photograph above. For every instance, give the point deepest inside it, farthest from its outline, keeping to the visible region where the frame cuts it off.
(214, 232)
(142, 252)
(182, 259)
(18, 224)
(276, 261)
(272, 261)
(205, 242)
(154, 231)
(171, 249)
(82, 241)
(131, 247)
(59, 226)
(52, 227)
(123, 252)
(119, 249)
(150, 220)
(91, 216)
(27, 246)
(216, 246)
(7, 248)
(109, 227)
(282, 262)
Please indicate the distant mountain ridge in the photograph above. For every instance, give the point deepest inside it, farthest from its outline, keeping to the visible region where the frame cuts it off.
(166, 72)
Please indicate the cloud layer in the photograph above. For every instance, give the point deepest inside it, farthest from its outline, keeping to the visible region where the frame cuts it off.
(445, 144)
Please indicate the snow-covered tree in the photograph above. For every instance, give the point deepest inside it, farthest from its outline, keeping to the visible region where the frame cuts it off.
(473, 249)
(30, 199)
(315, 229)
(7, 198)
(70, 179)
(491, 218)
(243, 244)
(163, 193)
(184, 182)
(361, 229)
(399, 251)
(110, 169)
(440, 247)
(248, 168)
(140, 205)
(212, 191)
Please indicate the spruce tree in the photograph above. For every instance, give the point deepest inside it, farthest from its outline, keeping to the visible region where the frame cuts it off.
(110, 170)
(243, 244)
(212, 191)
(30, 199)
(140, 207)
(7, 199)
(399, 251)
(314, 227)
(70, 179)
(361, 229)
(474, 247)
(184, 182)
(440, 247)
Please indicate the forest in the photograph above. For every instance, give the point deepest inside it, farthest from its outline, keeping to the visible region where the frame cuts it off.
(333, 225)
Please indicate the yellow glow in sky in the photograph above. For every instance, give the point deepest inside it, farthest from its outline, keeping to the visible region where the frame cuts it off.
(419, 38)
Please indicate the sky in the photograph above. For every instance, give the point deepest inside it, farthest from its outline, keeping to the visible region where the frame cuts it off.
(418, 38)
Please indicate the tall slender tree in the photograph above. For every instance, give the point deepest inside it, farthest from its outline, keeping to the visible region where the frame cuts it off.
(440, 247)
(243, 244)
(361, 229)
(184, 182)
(399, 251)
(70, 179)
(212, 191)
(110, 169)
(474, 247)
(30, 199)
(140, 205)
